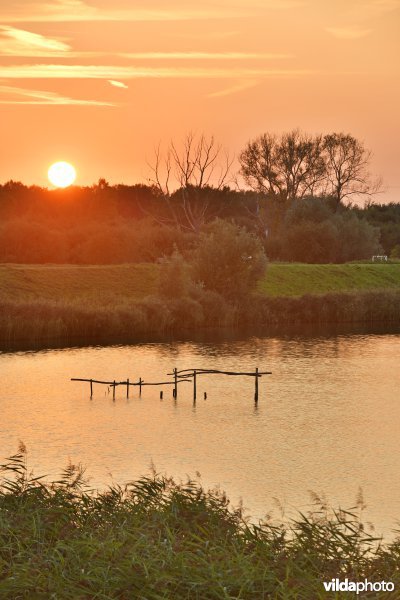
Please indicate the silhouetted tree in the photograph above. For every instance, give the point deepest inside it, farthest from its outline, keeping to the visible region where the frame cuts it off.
(296, 165)
(198, 167)
(290, 166)
(347, 167)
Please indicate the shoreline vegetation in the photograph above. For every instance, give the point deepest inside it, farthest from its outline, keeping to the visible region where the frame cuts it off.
(126, 302)
(155, 538)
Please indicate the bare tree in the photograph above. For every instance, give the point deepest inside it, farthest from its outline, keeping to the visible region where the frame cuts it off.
(290, 166)
(347, 167)
(197, 168)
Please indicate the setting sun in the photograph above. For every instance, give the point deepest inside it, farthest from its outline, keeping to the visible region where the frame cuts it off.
(61, 174)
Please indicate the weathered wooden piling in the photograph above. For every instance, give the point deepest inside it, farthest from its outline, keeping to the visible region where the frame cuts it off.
(256, 385)
(179, 376)
(194, 385)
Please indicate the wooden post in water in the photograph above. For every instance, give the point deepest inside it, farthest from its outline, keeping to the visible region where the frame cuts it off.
(175, 393)
(114, 390)
(127, 388)
(140, 387)
(194, 386)
(91, 388)
(256, 387)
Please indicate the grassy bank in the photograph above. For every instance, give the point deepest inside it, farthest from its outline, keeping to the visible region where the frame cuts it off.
(98, 283)
(102, 303)
(102, 283)
(156, 539)
(297, 279)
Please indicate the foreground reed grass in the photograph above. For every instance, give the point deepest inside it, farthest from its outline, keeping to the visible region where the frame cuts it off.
(157, 539)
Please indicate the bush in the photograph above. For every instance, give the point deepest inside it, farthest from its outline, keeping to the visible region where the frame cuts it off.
(185, 312)
(341, 238)
(357, 238)
(311, 242)
(310, 209)
(174, 278)
(228, 260)
(216, 309)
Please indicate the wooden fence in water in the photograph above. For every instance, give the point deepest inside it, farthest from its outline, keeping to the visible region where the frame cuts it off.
(181, 376)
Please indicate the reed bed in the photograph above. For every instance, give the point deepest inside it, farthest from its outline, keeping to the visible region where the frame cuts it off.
(121, 319)
(156, 539)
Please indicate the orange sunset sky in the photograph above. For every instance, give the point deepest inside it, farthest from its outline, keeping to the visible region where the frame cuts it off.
(100, 83)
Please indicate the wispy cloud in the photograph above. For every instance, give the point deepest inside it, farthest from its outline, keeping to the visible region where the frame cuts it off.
(24, 43)
(41, 97)
(78, 10)
(118, 84)
(116, 73)
(203, 55)
(205, 34)
(234, 89)
(266, 4)
(19, 42)
(348, 33)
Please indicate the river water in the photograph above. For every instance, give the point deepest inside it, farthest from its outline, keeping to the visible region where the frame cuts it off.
(327, 420)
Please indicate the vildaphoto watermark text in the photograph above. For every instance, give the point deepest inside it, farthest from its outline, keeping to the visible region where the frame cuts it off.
(337, 585)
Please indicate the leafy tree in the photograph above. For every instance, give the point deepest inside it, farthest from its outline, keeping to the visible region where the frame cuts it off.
(228, 260)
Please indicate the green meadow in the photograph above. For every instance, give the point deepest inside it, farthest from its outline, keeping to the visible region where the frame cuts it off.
(101, 283)
(297, 279)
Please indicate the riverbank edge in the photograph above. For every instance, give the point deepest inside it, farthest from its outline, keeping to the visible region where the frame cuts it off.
(40, 322)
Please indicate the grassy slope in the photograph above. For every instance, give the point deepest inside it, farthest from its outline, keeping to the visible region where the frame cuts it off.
(298, 279)
(92, 283)
(100, 284)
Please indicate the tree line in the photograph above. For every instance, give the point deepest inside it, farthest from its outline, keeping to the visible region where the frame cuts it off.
(296, 164)
(297, 202)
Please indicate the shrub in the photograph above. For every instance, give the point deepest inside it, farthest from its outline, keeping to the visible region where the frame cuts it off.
(357, 238)
(228, 260)
(311, 242)
(174, 277)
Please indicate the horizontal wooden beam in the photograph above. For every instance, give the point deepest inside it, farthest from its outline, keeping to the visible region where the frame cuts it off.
(216, 372)
(112, 383)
